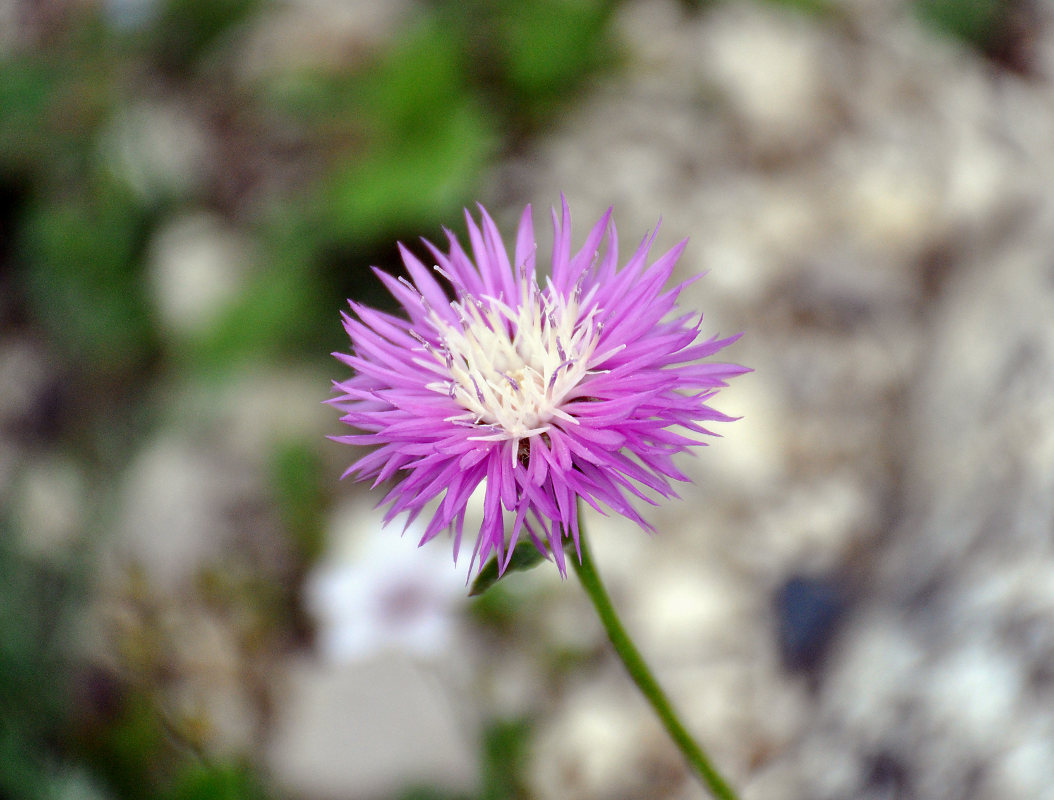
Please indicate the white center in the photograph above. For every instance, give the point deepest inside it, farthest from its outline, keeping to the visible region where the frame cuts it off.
(512, 368)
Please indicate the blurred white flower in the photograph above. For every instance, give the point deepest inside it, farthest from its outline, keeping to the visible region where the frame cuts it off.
(380, 592)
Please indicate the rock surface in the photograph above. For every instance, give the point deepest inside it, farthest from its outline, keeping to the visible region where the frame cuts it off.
(874, 208)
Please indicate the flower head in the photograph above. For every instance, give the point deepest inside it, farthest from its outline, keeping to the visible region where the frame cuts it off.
(583, 383)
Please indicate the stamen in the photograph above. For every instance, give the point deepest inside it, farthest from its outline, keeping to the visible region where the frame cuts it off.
(458, 286)
(556, 372)
(515, 386)
(511, 365)
(409, 285)
(420, 297)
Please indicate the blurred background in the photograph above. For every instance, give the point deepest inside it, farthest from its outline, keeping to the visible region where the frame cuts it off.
(855, 599)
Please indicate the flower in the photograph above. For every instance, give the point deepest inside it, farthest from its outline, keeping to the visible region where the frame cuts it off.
(379, 597)
(582, 386)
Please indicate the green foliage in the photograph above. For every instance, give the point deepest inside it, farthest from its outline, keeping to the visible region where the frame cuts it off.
(506, 750)
(33, 672)
(405, 180)
(504, 765)
(973, 21)
(809, 7)
(414, 139)
(274, 317)
(27, 90)
(496, 610)
(140, 756)
(131, 753)
(429, 793)
(186, 29)
(50, 104)
(816, 7)
(297, 480)
(544, 45)
(531, 56)
(80, 257)
(413, 83)
(217, 782)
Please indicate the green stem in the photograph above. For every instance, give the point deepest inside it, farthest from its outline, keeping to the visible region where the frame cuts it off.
(643, 677)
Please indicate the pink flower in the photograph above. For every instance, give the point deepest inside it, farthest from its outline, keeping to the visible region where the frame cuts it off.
(582, 385)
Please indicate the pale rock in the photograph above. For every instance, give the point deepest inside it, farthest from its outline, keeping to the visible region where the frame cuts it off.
(51, 507)
(770, 68)
(985, 180)
(596, 747)
(663, 22)
(687, 613)
(259, 408)
(78, 784)
(131, 15)
(298, 36)
(1023, 769)
(172, 512)
(979, 692)
(197, 268)
(814, 527)
(157, 148)
(871, 686)
(369, 730)
(749, 458)
(893, 197)
(9, 27)
(24, 374)
(718, 699)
